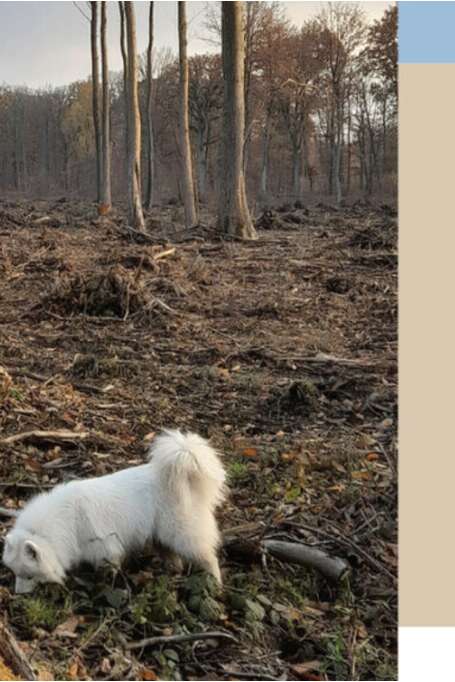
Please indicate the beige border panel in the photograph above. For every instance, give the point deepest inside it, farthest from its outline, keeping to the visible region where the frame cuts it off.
(427, 344)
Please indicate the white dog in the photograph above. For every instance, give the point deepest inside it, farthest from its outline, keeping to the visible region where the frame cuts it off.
(170, 500)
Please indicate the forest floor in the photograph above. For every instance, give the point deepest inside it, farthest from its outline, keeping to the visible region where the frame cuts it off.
(283, 351)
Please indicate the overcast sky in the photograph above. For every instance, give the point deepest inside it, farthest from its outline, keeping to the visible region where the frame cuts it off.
(47, 43)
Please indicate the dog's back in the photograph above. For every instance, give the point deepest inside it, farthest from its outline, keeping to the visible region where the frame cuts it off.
(171, 499)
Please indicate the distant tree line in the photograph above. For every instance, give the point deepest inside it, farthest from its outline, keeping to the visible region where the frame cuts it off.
(319, 110)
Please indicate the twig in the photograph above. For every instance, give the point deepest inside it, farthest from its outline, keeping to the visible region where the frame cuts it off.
(322, 358)
(63, 435)
(176, 639)
(164, 254)
(88, 388)
(250, 676)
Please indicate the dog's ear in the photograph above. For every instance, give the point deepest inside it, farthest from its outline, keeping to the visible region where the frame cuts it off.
(32, 550)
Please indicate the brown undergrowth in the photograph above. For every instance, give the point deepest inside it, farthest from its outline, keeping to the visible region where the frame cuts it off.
(283, 351)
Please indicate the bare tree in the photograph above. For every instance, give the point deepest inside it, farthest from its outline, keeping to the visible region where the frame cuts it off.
(150, 134)
(233, 214)
(342, 27)
(136, 215)
(206, 99)
(106, 199)
(184, 122)
(96, 95)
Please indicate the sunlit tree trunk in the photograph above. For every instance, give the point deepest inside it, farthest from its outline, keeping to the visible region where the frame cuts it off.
(96, 95)
(125, 68)
(265, 155)
(233, 214)
(184, 123)
(135, 214)
(150, 135)
(106, 199)
(202, 145)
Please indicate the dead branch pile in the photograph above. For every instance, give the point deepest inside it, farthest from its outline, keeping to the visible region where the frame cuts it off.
(270, 220)
(117, 293)
(299, 398)
(376, 235)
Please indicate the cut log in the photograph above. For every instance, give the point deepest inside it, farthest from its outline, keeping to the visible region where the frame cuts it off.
(333, 568)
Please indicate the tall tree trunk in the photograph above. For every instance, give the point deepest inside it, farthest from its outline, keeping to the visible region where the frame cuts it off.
(106, 199)
(296, 171)
(265, 156)
(150, 134)
(184, 123)
(202, 142)
(338, 139)
(233, 214)
(125, 69)
(96, 95)
(349, 150)
(135, 214)
(337, 169)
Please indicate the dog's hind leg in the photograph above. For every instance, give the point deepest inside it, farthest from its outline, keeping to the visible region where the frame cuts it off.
(209, 563)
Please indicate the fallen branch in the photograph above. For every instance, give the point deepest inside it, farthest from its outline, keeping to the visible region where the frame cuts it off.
(164, 254)
(87, 388)
(349, 544)
(333, 568)
(176, 639)
(252, 549)
(62, 435)
(132, 233)
(322, 358)
(13, 655)
(161, 304)
(236, 674)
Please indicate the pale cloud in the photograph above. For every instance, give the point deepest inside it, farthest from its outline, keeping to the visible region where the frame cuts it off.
(48, 42)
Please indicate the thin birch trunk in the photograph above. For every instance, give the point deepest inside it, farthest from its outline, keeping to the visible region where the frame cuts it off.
(202, 139)
(125, 69)
(106, 200)
(96, 95)
(150, 134)
(184, 122)
(136, 216)
(265, 156)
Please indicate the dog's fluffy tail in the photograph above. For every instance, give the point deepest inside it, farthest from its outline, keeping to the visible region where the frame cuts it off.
(186, 464)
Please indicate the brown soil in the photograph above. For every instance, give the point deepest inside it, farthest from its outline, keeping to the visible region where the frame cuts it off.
(283, 351)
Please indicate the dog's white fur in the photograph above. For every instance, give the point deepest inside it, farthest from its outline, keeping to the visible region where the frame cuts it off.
(170, 500)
